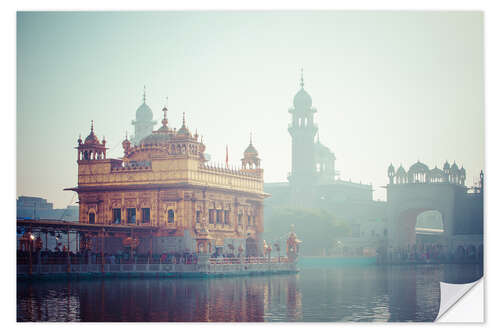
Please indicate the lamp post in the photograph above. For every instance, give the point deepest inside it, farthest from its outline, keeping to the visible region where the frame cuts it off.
(30, 247)
(69, 258)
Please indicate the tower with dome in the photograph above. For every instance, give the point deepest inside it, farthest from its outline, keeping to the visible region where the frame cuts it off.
(315, 183)
(143, 123)
(303, 131)
(313, 175)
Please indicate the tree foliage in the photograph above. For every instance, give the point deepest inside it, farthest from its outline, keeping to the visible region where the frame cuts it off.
(317, 228)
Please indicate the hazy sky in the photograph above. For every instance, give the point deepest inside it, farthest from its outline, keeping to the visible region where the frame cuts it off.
(388, 87)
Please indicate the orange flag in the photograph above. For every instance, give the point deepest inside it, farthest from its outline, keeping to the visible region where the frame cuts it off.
(227, 158)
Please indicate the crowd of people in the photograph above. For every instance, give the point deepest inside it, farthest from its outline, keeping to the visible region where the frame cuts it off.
(89, 257)
(436, 253)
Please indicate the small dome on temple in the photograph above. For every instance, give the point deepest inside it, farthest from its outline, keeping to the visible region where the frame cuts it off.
(418, 167)
(250, 149)
(91, 138)
(401, 170)
(250, 160)
(391, 168)
(126, 142)
(157, 138)
(436, 172)
(183, 130)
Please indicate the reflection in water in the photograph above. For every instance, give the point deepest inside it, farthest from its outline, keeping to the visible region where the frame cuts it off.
(348, 293)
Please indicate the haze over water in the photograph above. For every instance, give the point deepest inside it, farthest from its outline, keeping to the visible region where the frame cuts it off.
(332, 293)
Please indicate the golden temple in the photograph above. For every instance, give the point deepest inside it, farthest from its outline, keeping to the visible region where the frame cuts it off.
(164, 181)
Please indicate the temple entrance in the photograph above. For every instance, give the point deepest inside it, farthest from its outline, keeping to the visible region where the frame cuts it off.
(429, 228)
(251, 247)
(419, 226)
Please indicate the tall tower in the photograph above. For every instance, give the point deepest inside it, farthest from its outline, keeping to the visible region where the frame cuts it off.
(302, 130)
(143, 122)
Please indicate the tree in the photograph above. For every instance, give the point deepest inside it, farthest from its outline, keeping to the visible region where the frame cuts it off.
(317, 228)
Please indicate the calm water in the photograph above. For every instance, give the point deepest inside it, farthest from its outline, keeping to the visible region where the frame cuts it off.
(317, 293)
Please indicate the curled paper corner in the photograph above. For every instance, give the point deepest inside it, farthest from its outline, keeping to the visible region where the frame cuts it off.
(451, 294)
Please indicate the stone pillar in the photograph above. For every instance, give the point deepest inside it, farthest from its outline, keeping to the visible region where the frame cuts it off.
(259, 228)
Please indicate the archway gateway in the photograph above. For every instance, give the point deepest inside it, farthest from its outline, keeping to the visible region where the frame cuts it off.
(412, 193)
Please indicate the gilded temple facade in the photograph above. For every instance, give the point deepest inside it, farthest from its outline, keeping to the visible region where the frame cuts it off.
(165, 181)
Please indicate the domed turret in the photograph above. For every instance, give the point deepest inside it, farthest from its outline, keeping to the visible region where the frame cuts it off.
(302, 100)
(418, 173)
(183, 131)
(446, 170)
(391, 173)
(462, 176)
(161, 136)
(126, 144)
(454, 173)
(91, 148)
(164, 121)
(401, 175)
(436, 175)
(251, 151)
(92, 138)
(250, 158)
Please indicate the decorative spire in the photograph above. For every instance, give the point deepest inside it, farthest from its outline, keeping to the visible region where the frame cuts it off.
(302, 77)
(144, 95)
(165, 121)
(126, 135)
(184, 119)
(250, 138)
(92, 126)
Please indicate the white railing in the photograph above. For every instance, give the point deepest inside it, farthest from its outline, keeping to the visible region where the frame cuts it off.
(214, 265)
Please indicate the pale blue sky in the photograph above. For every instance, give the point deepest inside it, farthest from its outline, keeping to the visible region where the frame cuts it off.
(388, 86)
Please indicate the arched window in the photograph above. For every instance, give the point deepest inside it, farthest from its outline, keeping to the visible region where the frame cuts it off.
(91, 218)
(171, 216)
